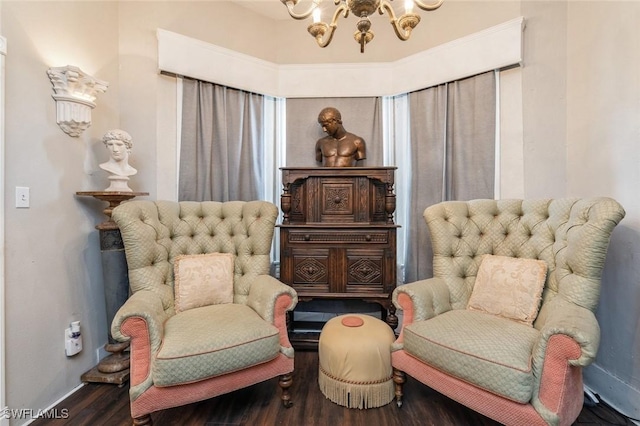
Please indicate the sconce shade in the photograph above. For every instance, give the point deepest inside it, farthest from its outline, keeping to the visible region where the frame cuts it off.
(74, 93)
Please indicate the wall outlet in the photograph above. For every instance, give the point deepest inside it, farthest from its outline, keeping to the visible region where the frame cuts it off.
(72, 339)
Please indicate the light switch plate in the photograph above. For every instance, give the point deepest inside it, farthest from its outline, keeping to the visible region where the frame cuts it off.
(22, 197)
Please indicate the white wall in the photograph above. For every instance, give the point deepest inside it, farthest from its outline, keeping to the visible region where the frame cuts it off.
(53, 272)
(581, 103)
(3, 52)
(603, 157)
(544, 99)
(53, 266)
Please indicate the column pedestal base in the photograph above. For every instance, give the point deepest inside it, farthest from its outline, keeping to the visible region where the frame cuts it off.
(95, 376)
(114, 368)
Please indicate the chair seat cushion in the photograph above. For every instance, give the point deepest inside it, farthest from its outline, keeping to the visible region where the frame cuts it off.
(487, 351)
(211, 341)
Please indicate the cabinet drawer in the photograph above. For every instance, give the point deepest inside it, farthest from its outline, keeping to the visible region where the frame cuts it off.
(339, 237)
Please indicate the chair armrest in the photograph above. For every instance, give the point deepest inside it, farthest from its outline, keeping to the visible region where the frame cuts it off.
(560, 317)
(422, 300)
(146, 306)
(263, 294)
(271, 299)
(140, 320)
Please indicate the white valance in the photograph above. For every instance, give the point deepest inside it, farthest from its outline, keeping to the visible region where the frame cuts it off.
(494, 48)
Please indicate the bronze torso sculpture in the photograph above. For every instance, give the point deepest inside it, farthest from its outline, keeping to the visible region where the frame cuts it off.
(339, 148)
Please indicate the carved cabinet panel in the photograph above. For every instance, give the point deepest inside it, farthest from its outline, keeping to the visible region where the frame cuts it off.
(343, 261)
(338, 236)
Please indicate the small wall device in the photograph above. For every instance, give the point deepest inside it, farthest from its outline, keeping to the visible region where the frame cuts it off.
(73, 339)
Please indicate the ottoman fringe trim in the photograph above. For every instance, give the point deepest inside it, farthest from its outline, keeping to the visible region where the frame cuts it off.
(356, 395)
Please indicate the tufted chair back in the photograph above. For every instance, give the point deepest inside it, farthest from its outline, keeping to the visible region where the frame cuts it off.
(156, 232)
(570, 235)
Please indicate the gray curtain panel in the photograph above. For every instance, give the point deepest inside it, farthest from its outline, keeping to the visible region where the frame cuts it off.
(428, 113)
(453, 156)
(452, 132)
(221, 151)
(471, 136)
(360, 116)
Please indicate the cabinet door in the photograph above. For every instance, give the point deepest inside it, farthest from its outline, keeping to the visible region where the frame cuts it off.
(310, 269)
(365, 270)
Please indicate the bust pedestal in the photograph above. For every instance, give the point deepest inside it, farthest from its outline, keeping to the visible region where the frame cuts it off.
(118, 184)
(115, 367)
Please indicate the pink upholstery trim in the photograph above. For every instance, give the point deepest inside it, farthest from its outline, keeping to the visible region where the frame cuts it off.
(561, 388)
(140, 348)
(280, 318)
(406, 305)
(155, 398)
(491, 405)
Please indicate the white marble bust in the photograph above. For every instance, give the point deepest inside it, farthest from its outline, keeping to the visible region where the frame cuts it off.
(119, 144)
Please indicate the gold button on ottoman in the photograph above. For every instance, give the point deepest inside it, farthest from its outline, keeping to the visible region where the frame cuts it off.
(355, 361)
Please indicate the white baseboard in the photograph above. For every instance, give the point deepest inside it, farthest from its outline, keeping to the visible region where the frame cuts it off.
(62, 398)
(101, 353)
(618, 394)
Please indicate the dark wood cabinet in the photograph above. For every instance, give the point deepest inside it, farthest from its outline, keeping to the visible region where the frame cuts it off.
(338, 235)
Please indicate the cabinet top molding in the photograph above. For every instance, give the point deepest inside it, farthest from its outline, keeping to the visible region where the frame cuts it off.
(336, 170)
(382, 173)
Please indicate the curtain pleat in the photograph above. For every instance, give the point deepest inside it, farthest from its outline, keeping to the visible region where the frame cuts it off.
(427, 127)
(453, 164)
(220, 153)
(471, 134)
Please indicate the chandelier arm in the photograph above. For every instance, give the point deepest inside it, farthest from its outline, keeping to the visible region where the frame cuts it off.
(290, 4)
(385, 6)
(325, 43)
(319, 35)
(428, 7)
(342, 9)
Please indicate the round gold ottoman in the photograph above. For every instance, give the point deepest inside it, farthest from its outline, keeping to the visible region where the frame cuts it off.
(355, 361)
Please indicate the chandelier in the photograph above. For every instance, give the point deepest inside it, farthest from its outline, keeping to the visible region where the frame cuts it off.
(323, 32)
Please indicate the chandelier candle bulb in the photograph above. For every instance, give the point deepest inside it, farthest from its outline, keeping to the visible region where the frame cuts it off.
(408, 6)
(316, 15)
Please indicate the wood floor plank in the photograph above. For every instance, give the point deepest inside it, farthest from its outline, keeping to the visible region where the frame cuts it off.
(106, 404)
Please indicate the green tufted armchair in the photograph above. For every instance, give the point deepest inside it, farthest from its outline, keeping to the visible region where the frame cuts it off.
(180, 358)
(515, 373)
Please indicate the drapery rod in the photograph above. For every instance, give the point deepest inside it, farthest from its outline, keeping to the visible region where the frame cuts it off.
(171, 74)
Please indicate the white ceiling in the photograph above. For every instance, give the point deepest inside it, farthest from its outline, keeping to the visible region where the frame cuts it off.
(273, 9)
(276, 10)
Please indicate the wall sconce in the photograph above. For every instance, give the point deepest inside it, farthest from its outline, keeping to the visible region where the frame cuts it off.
(75, 92)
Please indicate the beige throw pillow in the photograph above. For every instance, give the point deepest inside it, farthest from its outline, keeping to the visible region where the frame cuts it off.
(509, 287)
(203, 279)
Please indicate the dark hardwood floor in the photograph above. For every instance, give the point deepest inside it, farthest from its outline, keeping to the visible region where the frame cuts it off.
(103, 404)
